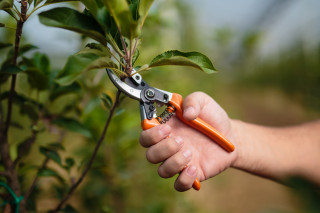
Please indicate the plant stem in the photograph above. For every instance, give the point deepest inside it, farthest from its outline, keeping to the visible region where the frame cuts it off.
(35, 180)
(14, 61)
(124, 66)
(135, 46)
(7, 162)
(84, 173)
(124, 46)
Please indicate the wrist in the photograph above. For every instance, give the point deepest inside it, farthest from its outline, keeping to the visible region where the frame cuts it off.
(237, 127)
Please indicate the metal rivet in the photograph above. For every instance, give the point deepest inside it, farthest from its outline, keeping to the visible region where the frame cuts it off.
(151, 107)
(150, 93)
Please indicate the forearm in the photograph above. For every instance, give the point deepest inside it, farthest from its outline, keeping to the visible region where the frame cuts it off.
(277, 153)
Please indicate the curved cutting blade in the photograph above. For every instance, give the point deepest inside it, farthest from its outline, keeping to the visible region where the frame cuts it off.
(124, 87)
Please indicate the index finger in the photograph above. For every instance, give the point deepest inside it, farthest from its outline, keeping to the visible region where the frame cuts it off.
(154, 135)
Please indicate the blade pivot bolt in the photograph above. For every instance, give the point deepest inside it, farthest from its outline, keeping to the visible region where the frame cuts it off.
(150, 93)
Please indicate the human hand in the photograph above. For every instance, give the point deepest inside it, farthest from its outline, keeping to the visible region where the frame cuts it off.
(177, 145)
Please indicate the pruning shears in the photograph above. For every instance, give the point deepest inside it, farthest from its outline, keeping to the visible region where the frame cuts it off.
(135, 87)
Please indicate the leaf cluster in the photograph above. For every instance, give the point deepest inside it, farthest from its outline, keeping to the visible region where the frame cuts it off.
(116, 25)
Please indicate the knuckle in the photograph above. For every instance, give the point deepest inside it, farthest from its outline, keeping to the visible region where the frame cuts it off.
(172, 146)
(184, 184)
(150, 157)
(163, 172)
(179, 161)
(142, 139)
(180, 187)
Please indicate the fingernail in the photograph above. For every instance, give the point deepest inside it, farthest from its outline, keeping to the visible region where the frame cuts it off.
(187, 153)
(179, 140)
(164, 130)
(189, 111)
(191, 171)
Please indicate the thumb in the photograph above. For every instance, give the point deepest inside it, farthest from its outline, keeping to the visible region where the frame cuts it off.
(193, 104)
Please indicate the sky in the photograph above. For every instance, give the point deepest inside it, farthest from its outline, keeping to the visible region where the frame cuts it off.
(296, 19)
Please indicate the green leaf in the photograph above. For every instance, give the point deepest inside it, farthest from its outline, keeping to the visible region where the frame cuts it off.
(16, 125)
(56, 1)
(74, 67)
(69, 163)
(11, 13)
(107, 101)
(37, 2)
(10, 69)
(69, 209)
(73, 20)
(3, 78)
(4, 45)
(56, 146)
(50, 153)
(37, 79)
(121, 13)
(2, 25)
(50, 173)
(63, 90)
(135, 56)
(72, 125)
(192, 59)
(97, 49)
(24, 147)
(5, 4)
(133, 6)
(19, 99)
(30, 2)
(95, 46)
(31, 110)
(119, 111)
(97, 10)
(26, 48)
(42, 62)
(102, 62)
(144, 7)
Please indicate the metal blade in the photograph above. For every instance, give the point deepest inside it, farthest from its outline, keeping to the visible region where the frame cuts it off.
(123, 87)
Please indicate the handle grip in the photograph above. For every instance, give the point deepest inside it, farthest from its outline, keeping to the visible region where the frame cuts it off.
(201, 125)
(148, 124)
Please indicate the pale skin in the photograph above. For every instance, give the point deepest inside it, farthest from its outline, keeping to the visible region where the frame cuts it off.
(274, 153)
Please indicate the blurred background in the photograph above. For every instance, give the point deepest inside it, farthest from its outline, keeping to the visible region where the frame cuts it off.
(267, 54)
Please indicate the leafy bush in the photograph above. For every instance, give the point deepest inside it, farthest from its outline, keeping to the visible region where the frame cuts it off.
(46, 113)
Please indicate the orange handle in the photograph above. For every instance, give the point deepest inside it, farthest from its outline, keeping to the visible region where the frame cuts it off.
(148, 124)
(201, 125)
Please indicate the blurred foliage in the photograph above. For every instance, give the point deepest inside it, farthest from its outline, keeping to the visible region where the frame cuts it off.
(68, 119)
(296, 72)
(307, 192)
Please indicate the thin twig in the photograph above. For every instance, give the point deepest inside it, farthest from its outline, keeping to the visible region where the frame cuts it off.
(20, 23)
(135, 46)
(124, 46)
(7, 162)
(84, 173)
(35, 180)
(1, 110)
(16, 10)
(116, 58)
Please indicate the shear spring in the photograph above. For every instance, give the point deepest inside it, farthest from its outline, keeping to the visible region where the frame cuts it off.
(166, 115)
